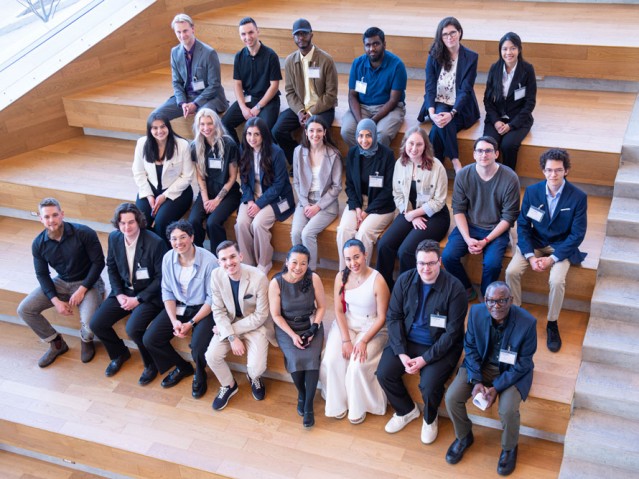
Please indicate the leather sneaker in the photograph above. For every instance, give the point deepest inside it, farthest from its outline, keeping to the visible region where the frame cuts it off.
(397, 423)
(429, 431)
(458, 447)
(87, 351)
(175, 376)
(115, 365)
(222, 398)
(257, 388)
(553, 340)
(56, 347)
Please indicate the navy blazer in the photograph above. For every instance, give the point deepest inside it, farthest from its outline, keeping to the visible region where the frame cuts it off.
(565, 231)
(205, 66)
(380, 200)
(272, 194)
(447, 297)
(520, 336)
(149, 251)
(465, 100)
(519, 111)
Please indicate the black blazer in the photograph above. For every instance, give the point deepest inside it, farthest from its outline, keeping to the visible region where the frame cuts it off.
(149, 252)
(519, 111)
(380, 200)
(465, 99)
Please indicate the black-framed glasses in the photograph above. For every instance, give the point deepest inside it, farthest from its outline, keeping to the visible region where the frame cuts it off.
(500, 301)
(488, 151)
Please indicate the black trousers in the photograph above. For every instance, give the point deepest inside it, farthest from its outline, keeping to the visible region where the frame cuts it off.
(508, 144)
(170, 211)
(109, 313)
(288, 123)
(157, 340)
(401, 240)
(234, 118)
(433, 376)
(214, 220)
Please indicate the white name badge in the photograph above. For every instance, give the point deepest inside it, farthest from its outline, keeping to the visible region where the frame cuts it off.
(197, 85)
(535, 214)
(375, 181)
(247, 98)
(437, 321)
(180, 309)
(313, 72)
(215, 163)
(142, 273)
(520, 93)
(283, 206)
(507, 357)
(360, 87)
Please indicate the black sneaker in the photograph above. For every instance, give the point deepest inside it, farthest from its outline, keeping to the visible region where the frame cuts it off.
(553, 340)
(257, 387)
(222, 398)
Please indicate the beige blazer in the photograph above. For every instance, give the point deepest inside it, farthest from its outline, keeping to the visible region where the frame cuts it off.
(432, 187)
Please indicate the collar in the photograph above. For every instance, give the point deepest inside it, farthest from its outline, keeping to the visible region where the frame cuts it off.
(309, 55)
(67, 230)
(191, 50)
(196, 261)
(512, 73)
(559, 192)
(385, 61)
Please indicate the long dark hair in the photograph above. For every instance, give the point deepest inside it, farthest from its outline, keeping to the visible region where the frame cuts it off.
(438, 50)
(151, 149)
(307, 280)
(328, 140)
(494, 88)
(346, 272)
(266, 152)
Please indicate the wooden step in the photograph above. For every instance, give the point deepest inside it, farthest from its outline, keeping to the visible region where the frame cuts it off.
(560, 39)
(563, 118)
(17, 466)
(71, 410)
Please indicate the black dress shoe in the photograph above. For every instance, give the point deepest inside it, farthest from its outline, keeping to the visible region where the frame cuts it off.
(300, 405)
(458, 447)
(175, 376)
(309, 419)
(115, 365)
(199, 386)
(148, 375)
(507, 462)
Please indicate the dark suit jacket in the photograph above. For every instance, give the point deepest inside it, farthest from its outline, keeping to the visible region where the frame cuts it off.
(447, 297)
(205, 66)
(520, 336)
(519, 111)
(565, 231)
(465, 101)
(149, 252)
(272, 194)
(380, 200)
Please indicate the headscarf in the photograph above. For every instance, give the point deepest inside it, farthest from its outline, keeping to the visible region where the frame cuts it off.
(367, 124)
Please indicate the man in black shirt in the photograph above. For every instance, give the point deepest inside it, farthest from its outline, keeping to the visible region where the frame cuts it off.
(256, 75)
(75, 253)
(425, 322)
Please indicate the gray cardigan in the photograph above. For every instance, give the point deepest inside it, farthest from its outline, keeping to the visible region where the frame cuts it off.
(330, 176)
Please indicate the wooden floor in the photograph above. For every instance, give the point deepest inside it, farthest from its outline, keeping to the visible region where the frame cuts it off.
(165, 433)
(16, 466)
(562, 119)
(559, 39)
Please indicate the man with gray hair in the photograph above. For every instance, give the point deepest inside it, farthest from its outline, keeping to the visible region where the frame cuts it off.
(195, 71)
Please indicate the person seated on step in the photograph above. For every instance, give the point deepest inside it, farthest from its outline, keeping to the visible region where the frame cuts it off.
(485, 206)
(551, 226)
(425, 323)
(134, 263)
(186, 278)
(311, 88)
(75, 253)
(376, 90)
(499, 345)
(242, 323)
(256, 76)
(195, 73)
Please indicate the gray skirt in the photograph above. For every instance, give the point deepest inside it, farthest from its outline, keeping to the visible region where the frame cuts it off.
(297, 359)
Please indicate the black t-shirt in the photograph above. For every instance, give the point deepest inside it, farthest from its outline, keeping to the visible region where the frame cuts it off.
(217, 177)
(256, 73)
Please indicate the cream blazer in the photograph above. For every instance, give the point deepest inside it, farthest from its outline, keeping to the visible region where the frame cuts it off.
(432, 187)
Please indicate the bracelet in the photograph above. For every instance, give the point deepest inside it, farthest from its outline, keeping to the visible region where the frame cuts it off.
(347, 341)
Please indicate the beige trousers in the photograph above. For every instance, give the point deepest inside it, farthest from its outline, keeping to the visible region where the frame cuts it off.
(256, 345)
(254, 237)
(368, 233)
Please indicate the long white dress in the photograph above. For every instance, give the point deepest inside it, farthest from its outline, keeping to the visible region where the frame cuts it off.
(348, 384)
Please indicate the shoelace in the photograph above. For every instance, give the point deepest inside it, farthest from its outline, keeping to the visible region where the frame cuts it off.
(223, 391)
(257, 383)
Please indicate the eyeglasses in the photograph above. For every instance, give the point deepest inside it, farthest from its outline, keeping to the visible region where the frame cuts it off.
(174, 239)
(550, 171)
(452, 34)
(500, 301)
(487, 151)
(430, 264)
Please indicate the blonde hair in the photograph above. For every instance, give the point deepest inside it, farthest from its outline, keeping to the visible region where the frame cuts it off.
(199, 140)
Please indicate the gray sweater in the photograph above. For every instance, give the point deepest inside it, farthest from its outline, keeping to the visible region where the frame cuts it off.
(486, 203)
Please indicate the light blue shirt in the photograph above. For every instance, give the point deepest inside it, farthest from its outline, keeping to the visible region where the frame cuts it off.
(552, 201)
(199, 287)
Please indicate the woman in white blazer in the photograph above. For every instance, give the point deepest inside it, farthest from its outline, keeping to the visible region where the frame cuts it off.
(162, 170)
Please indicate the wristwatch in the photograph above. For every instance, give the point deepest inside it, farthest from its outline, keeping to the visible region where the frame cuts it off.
(258, 106)
(140, 300)
(231, 338)
(192, 322)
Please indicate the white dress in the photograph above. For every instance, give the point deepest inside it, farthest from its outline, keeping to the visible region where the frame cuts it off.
(347, 384)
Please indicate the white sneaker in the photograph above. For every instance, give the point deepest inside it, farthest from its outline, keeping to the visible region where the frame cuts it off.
(397, 423)
(429, 431)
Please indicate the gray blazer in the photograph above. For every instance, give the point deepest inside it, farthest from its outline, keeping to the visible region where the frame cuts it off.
(205, 66)
(330, 176)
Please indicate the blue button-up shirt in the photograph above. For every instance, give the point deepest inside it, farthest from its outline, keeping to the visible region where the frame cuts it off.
(553, 200)
(199, 288)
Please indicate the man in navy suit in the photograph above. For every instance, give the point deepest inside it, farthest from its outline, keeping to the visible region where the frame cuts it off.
(550, 228)
(134, 263)
(499, 345)
(195, 71)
